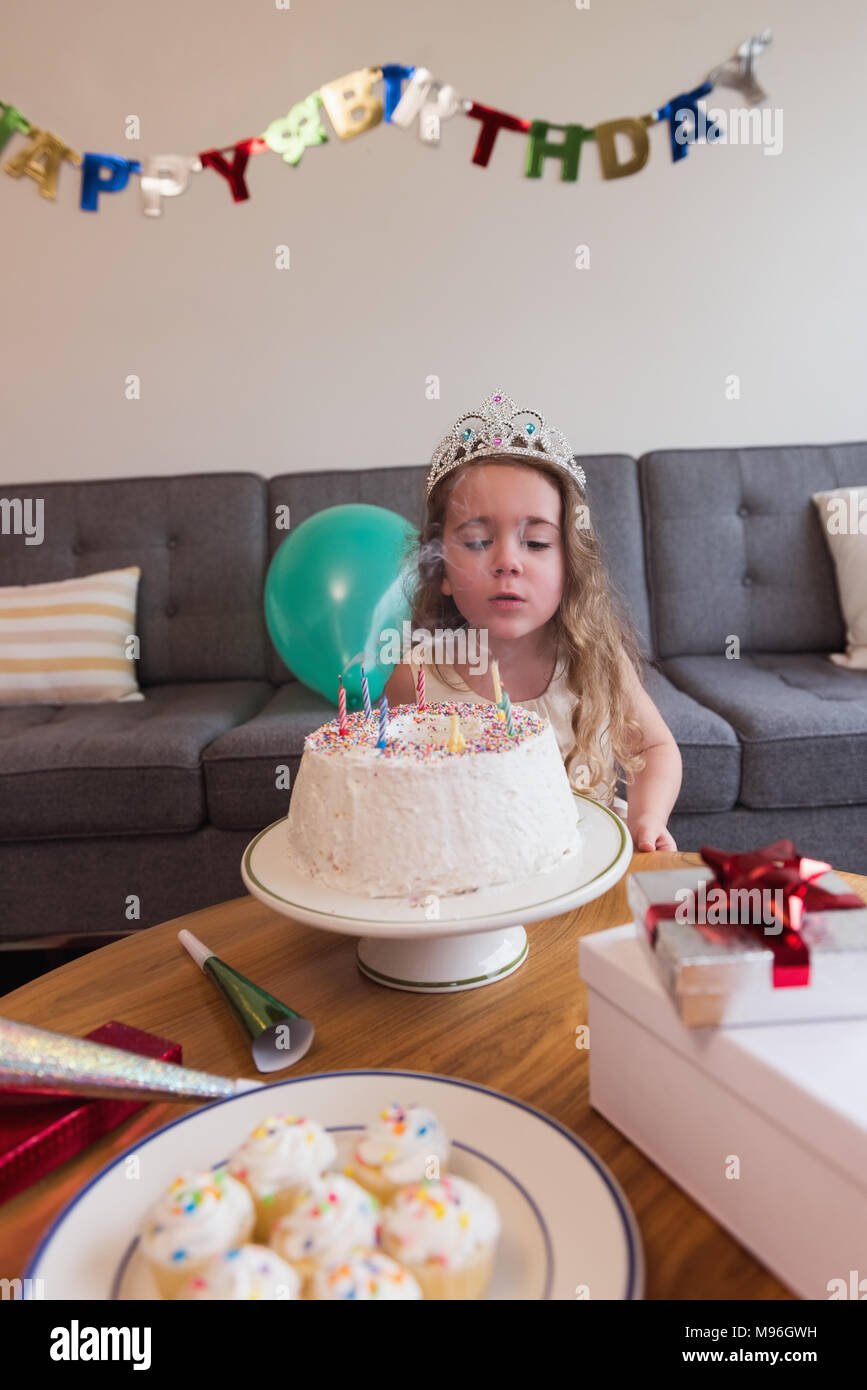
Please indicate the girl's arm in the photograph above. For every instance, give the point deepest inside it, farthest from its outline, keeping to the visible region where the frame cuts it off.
(653, 791)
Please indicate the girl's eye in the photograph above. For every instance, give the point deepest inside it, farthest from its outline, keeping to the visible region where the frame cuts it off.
(534, 545)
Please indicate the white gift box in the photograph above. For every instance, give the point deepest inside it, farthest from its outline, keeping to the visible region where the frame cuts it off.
(764, 1126)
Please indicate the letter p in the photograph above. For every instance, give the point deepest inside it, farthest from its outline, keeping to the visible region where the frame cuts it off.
(92, 184)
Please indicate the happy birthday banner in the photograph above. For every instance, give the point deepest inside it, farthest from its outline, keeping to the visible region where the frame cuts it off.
(410, 94)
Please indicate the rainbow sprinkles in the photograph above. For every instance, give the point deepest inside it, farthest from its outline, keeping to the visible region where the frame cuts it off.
(424, 733)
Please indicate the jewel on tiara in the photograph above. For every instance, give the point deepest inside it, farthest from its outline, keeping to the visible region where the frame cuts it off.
(500, 430)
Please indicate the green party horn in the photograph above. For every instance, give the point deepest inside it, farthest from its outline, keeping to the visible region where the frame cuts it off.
(280, 1036)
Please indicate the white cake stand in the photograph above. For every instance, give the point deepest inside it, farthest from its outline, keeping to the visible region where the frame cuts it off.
(434, 945)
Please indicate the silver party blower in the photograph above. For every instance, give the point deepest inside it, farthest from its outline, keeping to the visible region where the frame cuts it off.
(36, 1061)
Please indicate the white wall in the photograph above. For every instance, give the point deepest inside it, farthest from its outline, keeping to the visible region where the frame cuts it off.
(408, 261)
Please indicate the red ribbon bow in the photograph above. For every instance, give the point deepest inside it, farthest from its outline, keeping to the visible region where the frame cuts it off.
(777, 866)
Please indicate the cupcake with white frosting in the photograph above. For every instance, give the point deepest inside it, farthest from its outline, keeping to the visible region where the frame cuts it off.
(278, 1163)
(404, 1144)
(336, 1218)
(244, 1272)
(365, 1276)
(202, 1214)
(445, 1233)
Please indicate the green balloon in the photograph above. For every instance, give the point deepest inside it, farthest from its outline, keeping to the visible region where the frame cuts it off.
(335, 588)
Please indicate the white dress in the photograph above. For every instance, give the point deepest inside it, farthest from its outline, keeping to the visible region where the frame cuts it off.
(555, 704)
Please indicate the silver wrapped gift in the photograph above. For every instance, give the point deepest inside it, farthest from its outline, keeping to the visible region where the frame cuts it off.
(724, 972)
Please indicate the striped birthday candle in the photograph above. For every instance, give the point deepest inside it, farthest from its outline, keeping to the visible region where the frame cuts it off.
(422, 702)
(507, 711)
(498, 689)
(365, 695)
(343, 726)
(383, 720)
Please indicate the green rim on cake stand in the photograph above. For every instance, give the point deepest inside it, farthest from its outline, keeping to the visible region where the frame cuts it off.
(439, 945)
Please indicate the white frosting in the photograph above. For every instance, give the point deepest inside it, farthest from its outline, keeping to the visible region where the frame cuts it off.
(408, 822)
(337, 1218)
(451, 1222)
(201, 1214)
(283, 1151)
(366, 1276)
(247, 1271)
(400, 1141)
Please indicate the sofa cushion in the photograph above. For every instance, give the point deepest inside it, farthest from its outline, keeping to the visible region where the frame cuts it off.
(735, 547)
(243, 765)
(709, 747)
(122, 768)
(199, 540)
(69, 642)
(801, 719)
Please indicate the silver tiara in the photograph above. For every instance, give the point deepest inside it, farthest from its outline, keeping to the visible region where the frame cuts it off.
(500, 430)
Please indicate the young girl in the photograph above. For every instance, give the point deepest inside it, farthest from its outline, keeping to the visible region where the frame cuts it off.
(507, 548)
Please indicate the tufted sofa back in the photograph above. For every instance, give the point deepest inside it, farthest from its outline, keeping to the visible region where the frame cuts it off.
(700, 543)
(200, 542)
(735, 546)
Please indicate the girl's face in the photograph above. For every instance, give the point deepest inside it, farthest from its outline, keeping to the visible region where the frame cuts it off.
(502, 535)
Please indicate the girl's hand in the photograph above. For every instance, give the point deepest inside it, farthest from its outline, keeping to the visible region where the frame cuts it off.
(648, 833)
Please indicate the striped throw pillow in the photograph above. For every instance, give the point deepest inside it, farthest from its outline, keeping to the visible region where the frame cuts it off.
(67, 642)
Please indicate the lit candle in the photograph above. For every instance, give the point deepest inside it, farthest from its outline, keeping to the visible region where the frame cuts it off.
(342, 726)
(422, 703)
(383, 718)
(507, 715)
(365, 695)
(457, 743)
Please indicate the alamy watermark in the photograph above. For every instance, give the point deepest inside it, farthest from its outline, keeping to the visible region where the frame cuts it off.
(447, 646)
(716, 907)
(740, 125)
(22, 1288)
(853, 1287)
(77, 1343)
(846, 516)
(23, 517)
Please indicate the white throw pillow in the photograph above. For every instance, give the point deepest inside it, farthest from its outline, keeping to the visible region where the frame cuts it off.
(843, 515)
(67, 642)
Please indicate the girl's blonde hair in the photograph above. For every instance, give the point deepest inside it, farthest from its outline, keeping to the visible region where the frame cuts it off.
(592, 626)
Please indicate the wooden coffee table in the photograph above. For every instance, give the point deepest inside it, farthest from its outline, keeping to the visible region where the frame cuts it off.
(517, 1035)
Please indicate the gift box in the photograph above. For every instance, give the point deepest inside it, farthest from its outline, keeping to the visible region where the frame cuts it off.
(764, 1127)
(39, 1135)
(754, 938)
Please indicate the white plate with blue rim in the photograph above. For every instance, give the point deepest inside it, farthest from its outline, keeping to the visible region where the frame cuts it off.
(567, 1230)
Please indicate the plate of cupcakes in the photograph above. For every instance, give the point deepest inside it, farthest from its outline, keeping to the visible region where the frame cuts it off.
(357, 1185)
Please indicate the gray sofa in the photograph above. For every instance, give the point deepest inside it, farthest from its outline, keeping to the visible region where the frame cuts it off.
(114, 817)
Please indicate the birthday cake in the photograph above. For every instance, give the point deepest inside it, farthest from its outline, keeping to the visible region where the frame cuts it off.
(430, 813)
